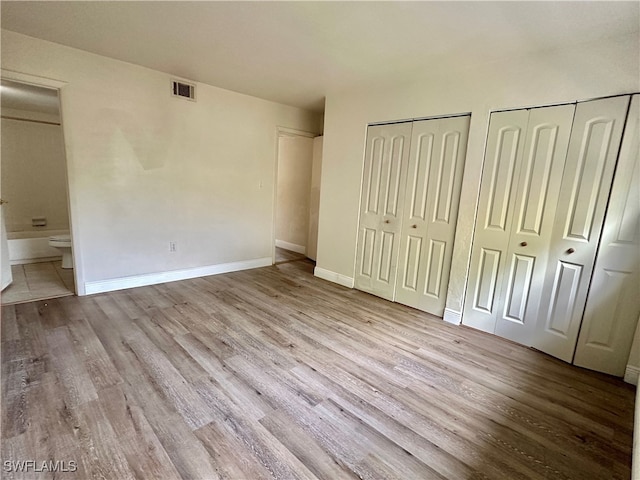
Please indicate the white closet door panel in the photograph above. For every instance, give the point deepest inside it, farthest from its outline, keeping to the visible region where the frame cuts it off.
(505, 147)
(613, 305)
(384, 178)
(536, 196)
(436, 164)
(584, 193)
(366, 242)
(486, 280)
(503, 170)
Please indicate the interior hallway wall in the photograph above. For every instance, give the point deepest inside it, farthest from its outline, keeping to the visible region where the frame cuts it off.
(314, 198)
(146, 169)
(295, 160)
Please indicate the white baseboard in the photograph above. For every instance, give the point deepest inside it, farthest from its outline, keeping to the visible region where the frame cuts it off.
(333, 277)
(291, 247)
(110, 285)
(632, 374)
(453, 317)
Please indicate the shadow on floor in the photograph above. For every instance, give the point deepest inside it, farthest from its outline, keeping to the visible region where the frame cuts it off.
(286, 256)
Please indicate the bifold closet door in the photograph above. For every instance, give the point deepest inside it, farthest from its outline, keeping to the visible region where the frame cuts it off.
(381, 204)
(434, 178)
(535, 195)
(505, 144)
(586, 184)
(523, 166)
(613, 305)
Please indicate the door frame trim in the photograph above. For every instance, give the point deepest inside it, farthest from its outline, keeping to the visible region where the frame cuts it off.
(419, 119)
(281, 132)
(573, 102)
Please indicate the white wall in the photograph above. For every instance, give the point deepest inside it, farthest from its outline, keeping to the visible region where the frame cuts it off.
(295, 159)
(607, 68)
(34, 178)
(146, 168)
(314, 199)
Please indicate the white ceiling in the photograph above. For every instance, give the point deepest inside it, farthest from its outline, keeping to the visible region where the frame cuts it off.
(297, 52)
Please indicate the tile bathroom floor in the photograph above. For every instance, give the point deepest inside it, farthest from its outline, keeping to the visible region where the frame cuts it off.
(38, 281)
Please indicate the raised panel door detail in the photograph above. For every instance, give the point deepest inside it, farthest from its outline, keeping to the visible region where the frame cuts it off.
(386, 257)
(563, 297)
(394, 176)
(537, 170)
(412, 262)
(421, 169)
(447, 164)
(435, 266)
(434, 180)
(501, 170)
(373, 185)
(487, 280)
(600, 334)
(520, 275)
(502, 177)
(535, 199)
(529, 147)
(613, 305)
(584, 195)
(628, 224)
(369, 240)
(381, 203)
(588, 178)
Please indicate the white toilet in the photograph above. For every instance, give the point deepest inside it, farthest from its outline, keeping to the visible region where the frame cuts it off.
(63, 243)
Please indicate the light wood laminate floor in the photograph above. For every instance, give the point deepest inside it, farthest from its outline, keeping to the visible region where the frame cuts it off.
(284, 256)
(272, 373)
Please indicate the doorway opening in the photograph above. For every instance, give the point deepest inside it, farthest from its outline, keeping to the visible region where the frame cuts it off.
(37, 262)
(297, 196)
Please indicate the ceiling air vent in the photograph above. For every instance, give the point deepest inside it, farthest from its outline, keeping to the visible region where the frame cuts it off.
(184, 90)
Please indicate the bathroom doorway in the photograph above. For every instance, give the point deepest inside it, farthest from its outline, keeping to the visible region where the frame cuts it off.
(34, 189)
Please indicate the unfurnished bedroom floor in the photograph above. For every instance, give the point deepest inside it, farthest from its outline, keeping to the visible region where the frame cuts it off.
(273, 373)
(37, 281)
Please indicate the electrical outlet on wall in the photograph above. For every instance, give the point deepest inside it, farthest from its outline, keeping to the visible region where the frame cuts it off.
(173, 246)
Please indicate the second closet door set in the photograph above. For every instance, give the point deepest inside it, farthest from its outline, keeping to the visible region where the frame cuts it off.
(545, 188)
(408, 210)
(545, 196)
